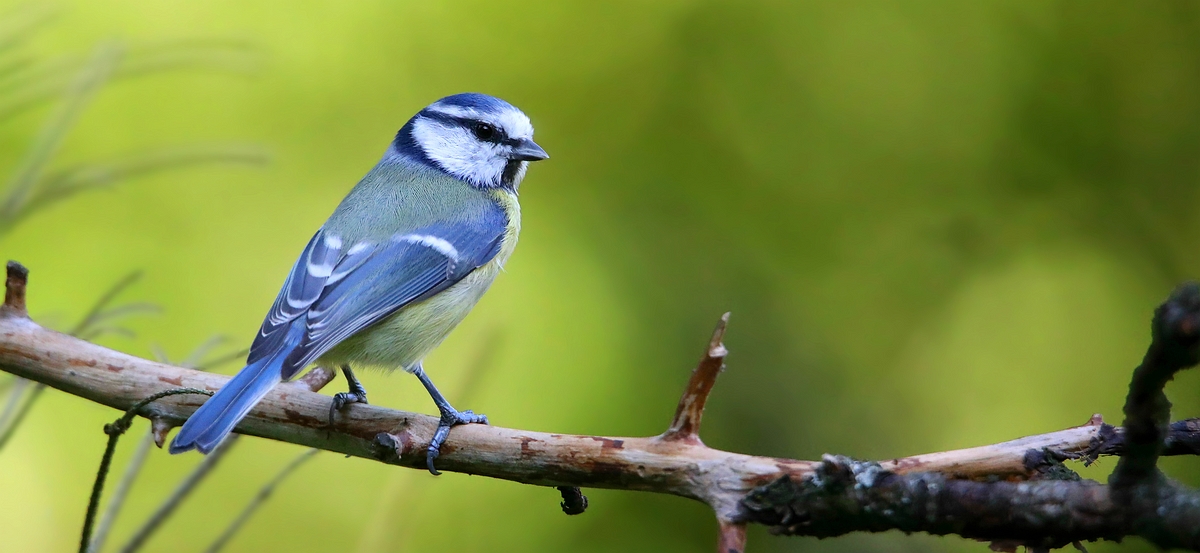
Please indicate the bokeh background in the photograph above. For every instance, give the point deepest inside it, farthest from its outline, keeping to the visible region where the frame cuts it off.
(938, 224)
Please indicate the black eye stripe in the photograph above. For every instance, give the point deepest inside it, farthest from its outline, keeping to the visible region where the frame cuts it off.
(498, 137)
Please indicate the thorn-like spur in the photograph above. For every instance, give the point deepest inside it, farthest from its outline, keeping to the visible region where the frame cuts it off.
(450, 418)
(357, 394)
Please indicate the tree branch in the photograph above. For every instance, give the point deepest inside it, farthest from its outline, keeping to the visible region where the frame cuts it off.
(845, 495)
(938, 493)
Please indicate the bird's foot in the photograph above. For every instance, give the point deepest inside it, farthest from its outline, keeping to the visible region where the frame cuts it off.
(342, 399)
(450, 418)
(357, 394)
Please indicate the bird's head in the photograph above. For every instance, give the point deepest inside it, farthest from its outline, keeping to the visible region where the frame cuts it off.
(475, 137)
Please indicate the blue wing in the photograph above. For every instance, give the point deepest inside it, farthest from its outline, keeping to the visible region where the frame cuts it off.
(335, 290)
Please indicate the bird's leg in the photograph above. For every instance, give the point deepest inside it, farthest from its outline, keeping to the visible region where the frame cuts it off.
(450, 417)
(357, 394)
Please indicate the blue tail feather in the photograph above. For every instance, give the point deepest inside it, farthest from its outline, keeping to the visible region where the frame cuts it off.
(214, 420)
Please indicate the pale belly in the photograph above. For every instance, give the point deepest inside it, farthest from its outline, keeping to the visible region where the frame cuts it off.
(405, 338)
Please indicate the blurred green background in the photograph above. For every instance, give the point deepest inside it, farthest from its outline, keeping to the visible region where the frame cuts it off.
(938, 224)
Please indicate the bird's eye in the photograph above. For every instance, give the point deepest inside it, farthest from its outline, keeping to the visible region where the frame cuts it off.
(484, 131)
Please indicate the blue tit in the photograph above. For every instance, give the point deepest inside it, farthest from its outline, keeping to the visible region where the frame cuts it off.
(398, 265)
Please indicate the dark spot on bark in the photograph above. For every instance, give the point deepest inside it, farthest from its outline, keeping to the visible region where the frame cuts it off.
(81, 362)
(177, 381)
(611, 472)
(905, 464)
(300, 418)
(113, 368)
(609, 443)
(525, 441)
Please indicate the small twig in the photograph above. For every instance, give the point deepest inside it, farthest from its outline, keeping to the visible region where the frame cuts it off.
(14, 290)
(121, 492)
(159, 428)
(1174, 347)
(114, 431)
(316, 378)
(261, 497)
(686, 424)
(181, 492)
(1164, 512)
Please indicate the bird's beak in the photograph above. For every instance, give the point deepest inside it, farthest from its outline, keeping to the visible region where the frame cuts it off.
(528, 150)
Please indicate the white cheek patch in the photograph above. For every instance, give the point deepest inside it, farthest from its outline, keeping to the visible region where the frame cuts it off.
(458, 152)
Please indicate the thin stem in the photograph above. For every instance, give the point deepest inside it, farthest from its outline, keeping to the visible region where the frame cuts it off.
(18, 24)
(118, 499)
(6, 432)
(29, 84)
(13, 401)
(261, 497)
(88, 81)
(114, 431)
(182, 491)
(97, 312)
(201, 351)
(67, 183)
(221, 360)
(374, 535)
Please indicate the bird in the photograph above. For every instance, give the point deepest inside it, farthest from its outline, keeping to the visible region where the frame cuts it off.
(396, 267)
